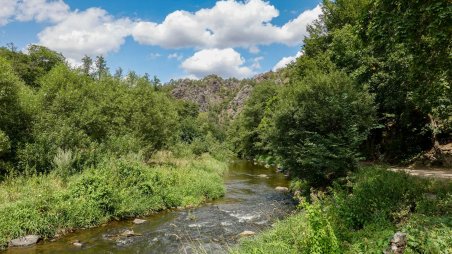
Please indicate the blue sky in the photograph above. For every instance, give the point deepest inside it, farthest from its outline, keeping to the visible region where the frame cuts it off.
(170, 39)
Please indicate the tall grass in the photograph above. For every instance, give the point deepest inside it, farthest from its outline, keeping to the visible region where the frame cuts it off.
(117, 188)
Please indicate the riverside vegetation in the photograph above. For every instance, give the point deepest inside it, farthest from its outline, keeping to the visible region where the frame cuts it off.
(79, 147)
(373, 83)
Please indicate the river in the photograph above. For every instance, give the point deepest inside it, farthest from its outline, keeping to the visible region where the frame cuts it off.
(250, 203)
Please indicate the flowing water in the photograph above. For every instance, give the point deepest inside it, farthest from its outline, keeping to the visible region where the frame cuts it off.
(251, 203)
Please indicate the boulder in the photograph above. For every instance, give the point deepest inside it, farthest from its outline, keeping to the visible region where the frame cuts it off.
(24, 241)
(282, 189)
(247, 233)
(138, 221)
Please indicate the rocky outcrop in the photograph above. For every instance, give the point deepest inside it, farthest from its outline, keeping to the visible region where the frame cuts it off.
(213, 91)
(236, 104)
(207, 92)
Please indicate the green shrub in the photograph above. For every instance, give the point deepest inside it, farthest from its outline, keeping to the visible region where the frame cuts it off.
(429, 234)
(378, 195)
(318, 126)
(319, 236)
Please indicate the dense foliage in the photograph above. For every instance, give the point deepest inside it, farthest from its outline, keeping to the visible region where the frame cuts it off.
(373, 81)
(363, 214)
(79, 146)
(59, 111)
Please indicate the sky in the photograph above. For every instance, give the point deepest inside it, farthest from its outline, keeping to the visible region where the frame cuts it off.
(169, 39)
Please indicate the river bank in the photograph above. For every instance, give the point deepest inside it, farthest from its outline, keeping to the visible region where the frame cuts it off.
(361, 213)
(251, 204)
(50, 206)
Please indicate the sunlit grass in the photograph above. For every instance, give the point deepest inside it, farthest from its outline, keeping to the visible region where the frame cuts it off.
(47, 204)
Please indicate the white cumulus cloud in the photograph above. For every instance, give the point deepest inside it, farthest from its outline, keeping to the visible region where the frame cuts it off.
(214, 32)
(285, 61)
(228, 24)
(91, 32)
(28, 10)
(223, 62)
(7, 11)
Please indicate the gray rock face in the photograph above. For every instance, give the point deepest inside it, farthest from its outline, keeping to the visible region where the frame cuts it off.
(398, 244)
(24, 241)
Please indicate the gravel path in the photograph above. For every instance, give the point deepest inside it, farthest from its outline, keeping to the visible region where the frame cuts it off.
(445, 173)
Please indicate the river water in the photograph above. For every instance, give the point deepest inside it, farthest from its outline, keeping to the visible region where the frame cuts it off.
(251, 203)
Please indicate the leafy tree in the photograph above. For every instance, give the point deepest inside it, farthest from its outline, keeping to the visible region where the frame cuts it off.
(101, 67)
(244, 132)
(13, 120)
(399, 50)
(118, 73)
(318, 125)
(87, 63)
(32, 65)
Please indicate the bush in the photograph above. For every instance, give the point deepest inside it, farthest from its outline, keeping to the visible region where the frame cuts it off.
(319, 124)
(378, 195)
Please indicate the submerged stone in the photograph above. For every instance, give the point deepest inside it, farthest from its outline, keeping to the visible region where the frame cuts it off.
(77, 243)
(129, 233)
(282, 189)
(138, 221)
(24, 241)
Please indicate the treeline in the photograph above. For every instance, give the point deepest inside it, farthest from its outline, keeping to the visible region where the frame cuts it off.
(51, 112)
(373, 82)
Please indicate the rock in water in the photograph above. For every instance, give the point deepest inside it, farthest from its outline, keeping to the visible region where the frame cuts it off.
(398, 244)
(77, 243)
(129, 233)
(262, 176)
(282, 189)
(138, 221)
(247, 233)
(25, 241)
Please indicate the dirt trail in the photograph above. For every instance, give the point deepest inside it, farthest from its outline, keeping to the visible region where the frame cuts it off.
(444, 173)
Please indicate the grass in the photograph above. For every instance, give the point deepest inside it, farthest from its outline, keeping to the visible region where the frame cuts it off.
(49, 204)
(363, 212)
